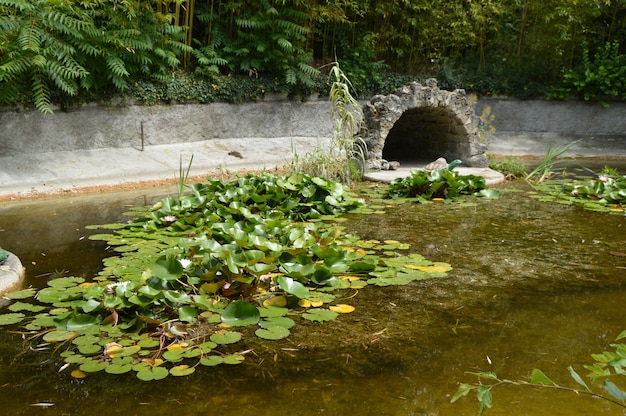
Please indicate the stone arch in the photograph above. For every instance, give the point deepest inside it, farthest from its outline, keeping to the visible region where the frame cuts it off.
(420, 123)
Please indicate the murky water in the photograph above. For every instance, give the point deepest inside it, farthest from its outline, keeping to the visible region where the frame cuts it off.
(534, 286)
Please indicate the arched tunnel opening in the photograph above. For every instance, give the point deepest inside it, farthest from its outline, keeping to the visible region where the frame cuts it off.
(424, 134)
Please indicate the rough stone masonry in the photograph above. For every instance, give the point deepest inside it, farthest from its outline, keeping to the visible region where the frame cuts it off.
(420, 123)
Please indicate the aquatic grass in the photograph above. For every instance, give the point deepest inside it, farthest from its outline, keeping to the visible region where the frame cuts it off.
(545, 168)
(183, 175)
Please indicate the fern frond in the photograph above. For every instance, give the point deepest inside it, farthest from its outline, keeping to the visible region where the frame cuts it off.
(41, 92)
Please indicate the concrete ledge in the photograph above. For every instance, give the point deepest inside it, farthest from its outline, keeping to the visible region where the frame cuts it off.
(11, 275)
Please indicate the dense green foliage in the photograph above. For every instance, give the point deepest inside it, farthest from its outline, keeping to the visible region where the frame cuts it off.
(442, 183)
(53, 51)
(195, 274)
(604, 193)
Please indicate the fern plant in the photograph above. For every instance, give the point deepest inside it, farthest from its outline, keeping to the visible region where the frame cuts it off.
(66, 48)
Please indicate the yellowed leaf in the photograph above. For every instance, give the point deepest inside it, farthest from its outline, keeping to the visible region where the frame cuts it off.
(78, 374)
(392, 242)
(351, 278)
(342, 308)
(428, 269)
(173, 347)
(279, 301)
(305, 303)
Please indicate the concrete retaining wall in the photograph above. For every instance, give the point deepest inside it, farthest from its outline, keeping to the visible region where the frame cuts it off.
(99, 126)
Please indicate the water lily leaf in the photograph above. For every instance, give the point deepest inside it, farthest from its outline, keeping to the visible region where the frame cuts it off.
(306, 303)
(92, 366)
(182, 370)
(187, 313)
(63, 282)
(23, 306)
(320, 315)
(59, 336)
(240, 313)
(89, 349)
(272, 333)
(234, 359)
(11, 318)
(211, 360)
(277, 321)
(81, 321)
(167, 267)
(76, 373)
(225, 337)
(21, 294)
(277, 301)
(292, 287)
(342, 308)
(174, 355)
(152, 373)
(273, 311)
(114, 368)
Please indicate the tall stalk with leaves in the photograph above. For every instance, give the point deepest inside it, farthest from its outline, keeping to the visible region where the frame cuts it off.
(344, 159)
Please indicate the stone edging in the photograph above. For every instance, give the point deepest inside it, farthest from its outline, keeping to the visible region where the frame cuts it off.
(11, 274)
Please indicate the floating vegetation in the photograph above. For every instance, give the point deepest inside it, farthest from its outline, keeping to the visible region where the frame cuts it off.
(442, 183)
(605, 193)
(193, 274)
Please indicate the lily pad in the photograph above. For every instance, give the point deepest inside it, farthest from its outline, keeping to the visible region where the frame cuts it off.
(59, 336)
(225, 337)
(320, 315)
(182, 370)
(241, 313)
(152, 373)
(21, 294)
(11, 318)
(272, 333)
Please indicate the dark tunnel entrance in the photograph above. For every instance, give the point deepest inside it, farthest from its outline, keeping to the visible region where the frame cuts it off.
(418, 124)
(424, 134)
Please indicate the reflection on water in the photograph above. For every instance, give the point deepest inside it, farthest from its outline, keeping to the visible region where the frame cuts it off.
(533, 285)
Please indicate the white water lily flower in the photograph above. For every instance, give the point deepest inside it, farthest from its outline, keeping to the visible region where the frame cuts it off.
(185, 263)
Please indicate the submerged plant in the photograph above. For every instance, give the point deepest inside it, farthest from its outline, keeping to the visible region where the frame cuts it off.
(441, 183)
(609, 364)
(190, 271)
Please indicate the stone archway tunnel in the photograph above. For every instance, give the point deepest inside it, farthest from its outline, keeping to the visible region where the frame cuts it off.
(420, 123)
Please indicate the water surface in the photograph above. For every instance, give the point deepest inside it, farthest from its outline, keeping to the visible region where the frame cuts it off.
(534, 285)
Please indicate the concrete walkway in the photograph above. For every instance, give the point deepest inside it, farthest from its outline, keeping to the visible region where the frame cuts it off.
(35, 174)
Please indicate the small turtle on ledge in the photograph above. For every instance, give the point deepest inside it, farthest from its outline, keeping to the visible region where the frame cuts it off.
(442, 163)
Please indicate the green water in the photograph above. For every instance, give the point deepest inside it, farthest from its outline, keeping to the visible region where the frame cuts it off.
(534, 285)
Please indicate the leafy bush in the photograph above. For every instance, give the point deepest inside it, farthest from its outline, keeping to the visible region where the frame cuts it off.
(602, 77)
(73, 48)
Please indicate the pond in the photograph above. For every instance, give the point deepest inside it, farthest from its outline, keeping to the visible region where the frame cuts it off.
(534, 285)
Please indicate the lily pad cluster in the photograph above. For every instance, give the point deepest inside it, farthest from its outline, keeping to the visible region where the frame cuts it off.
(441, 183)
(604, 193)
(195, 275)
